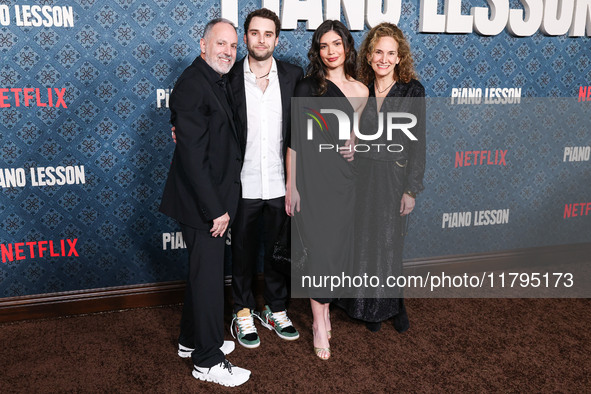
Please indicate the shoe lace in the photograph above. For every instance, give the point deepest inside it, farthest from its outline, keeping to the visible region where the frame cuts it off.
(245, 325)
(282, 319)
(227, 365)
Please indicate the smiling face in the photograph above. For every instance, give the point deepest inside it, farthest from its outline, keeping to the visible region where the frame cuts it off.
(384, 57)
(218, 47)
(260, 39)
(332, 50)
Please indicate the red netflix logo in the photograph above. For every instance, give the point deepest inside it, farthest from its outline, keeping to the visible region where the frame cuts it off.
(23, 250)
(481, 157)
(14, 97)
(585, 93)
(577, 209)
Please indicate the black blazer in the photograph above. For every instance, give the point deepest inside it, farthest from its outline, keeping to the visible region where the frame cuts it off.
(288, 75)
(204, 178)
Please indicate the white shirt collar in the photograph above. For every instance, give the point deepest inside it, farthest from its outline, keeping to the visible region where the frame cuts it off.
(247, 70)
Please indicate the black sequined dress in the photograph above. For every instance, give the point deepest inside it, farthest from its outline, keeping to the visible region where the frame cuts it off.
(382, 178)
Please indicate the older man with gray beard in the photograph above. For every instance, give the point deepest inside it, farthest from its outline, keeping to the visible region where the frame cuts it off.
(201, 193)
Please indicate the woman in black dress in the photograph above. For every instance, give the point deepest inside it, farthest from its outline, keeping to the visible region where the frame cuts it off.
(387, 183)
(325, 181)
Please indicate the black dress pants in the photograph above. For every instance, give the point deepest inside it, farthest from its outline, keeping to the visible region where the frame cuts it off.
(245, 250)
(202, 321)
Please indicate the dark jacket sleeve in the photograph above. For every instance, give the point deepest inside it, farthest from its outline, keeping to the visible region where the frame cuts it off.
(302, 89)
(190, 114)
(417, 154)
(296, 74)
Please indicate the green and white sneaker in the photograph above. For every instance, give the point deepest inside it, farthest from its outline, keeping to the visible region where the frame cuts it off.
(243, 329)
(279, 322)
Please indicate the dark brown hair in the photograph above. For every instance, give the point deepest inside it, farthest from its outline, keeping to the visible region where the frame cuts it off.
(316, 69)
(404, 70)
(263, 13)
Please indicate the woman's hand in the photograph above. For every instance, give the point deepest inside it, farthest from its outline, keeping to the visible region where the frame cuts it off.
(348, 150)
(407, 204)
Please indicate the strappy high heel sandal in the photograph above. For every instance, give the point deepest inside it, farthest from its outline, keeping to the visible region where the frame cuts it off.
(319, 350)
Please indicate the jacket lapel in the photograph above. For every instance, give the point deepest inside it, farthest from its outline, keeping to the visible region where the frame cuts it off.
(239, 93)
(228, 108)
(220, 98)
(285, 95)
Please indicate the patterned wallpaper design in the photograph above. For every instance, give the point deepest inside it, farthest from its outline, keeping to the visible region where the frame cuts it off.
(109, 67)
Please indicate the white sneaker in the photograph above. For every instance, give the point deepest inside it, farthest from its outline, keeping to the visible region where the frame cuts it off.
(227, 348)
(223, 373)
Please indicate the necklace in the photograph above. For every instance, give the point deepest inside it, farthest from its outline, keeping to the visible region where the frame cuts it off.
(262, 76)
(382, 91)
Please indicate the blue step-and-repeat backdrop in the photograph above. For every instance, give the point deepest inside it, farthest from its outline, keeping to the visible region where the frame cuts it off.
(85, 140)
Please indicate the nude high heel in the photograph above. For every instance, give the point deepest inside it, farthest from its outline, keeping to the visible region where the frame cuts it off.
(319, 350)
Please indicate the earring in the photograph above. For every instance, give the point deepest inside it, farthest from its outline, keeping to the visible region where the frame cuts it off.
(369, 62)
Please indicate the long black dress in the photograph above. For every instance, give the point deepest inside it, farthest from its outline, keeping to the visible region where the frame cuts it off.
(326, 183)
(382, 179)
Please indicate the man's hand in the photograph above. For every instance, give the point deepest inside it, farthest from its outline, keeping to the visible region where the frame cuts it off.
(173, 134)
(407, 204)
(292, 201)
(220, 225)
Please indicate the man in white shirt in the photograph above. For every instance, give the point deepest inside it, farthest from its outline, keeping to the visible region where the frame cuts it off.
(262, 88)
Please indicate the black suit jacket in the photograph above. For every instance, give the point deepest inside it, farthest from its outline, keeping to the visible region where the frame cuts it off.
(288, 75)
(204, 178)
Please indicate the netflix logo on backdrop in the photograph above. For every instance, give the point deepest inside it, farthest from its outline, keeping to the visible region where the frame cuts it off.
(497, 157)
(577, 209)
(585, 93)
(38, 249)
(32, 97)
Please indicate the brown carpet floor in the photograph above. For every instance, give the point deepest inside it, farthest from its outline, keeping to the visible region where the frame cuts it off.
(460, 345)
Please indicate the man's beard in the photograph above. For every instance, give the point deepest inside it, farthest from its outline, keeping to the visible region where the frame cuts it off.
(220, 68)
(260, 58)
